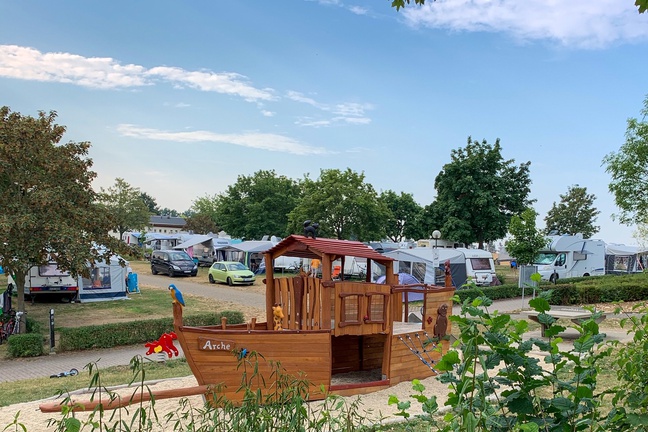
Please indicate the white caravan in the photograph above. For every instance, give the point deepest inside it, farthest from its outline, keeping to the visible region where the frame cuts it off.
(47, 280)
(568, 256)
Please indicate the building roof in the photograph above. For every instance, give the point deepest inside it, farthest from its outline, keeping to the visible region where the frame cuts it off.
(308, 247)
(167, 221)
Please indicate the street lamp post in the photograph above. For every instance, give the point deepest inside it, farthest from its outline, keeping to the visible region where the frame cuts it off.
(436, 235)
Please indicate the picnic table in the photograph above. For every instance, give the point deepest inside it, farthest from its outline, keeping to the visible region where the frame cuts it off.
(575, 315)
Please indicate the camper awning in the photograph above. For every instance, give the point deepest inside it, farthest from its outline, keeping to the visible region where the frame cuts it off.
(197, 239)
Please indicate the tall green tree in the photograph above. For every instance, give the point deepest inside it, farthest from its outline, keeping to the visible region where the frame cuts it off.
(205, 206)
(124, 203)
(526, 240)
(150, 203)
(257, 205)
(574, 214)
(47, 204)
(479, 191)
(168, 212)
(201, 223)
(404, 213)
(345, 206)
(629, 170)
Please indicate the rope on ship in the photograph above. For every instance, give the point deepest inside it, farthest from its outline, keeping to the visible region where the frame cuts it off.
(423, 352)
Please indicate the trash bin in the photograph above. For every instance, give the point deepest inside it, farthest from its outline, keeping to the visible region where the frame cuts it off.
(132, 283)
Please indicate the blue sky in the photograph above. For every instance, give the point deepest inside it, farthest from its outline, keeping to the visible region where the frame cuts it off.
(179, 98)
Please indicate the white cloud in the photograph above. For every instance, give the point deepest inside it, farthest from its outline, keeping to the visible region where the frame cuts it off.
(267, 113)
(312, 123)
(263, 141)
(579, 23)
(106, 73)
(30, 64)
(225, 82)
(348, 112)
(358, 10)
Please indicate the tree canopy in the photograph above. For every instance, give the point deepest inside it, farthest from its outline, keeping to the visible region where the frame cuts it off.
(47, 205)
(257, 205)
(526, 240)
(343, 204)
(125, 205)
(403, 215)
(574, 214)
(201, 223)
(629, 170)
(479, 191)
(150, 203)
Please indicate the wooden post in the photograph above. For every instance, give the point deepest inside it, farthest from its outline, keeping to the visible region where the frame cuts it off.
(270, 291)
(223, 323)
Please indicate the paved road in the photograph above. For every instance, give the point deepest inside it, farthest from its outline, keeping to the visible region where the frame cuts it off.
(187, 285)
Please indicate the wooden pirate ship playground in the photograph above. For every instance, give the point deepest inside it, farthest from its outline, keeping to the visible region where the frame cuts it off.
(328, 328)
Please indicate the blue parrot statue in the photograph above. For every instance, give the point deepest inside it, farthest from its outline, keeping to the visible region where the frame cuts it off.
(176, 295)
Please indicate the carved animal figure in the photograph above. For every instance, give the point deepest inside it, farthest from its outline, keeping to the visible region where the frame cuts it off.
(441, 325)
(176, 295)
(310, 229)
(164, 343)
(277, 317)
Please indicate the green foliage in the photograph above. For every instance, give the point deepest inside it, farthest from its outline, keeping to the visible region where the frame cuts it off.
(496, 384)
(600, 289)
(150, 203)
(401, 3)
(574, 214)
(629, 170)
(642, 5)
(126, 206)
(479, 191)
(403, 215)
(526, 241)
(201, 223)
(25, 345)
(279, 404)
(46, 199)
(258, 205)
(343, 204)
(136, 332)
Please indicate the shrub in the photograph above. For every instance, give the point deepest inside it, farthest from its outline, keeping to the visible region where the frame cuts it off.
(135, 332)
(25, 345)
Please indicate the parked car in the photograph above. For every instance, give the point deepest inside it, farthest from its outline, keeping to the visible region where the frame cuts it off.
(232, 272)
(173, 263)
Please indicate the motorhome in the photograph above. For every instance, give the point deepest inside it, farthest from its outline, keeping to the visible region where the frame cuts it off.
(49, 280)
(566, 256)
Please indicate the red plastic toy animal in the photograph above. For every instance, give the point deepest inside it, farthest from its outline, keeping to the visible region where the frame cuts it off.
(165, 343)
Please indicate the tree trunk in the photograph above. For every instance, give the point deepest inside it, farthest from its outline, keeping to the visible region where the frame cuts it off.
(19, 279)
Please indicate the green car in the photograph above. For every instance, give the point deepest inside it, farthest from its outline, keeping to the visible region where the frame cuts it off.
(232, 272)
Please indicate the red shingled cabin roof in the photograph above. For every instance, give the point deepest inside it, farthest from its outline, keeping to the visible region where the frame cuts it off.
(308, 247)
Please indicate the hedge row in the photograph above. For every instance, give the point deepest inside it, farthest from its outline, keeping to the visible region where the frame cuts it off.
(133, 332)
(25, 345)
(604, 289)
(574, 291)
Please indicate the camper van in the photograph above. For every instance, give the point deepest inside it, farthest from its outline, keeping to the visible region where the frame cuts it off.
(568, 256)
(49, 280)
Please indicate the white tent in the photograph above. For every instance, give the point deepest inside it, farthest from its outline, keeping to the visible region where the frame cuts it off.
(107, 282)
(425, 264)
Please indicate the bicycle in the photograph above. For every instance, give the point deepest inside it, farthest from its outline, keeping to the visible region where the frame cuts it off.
(7, 325)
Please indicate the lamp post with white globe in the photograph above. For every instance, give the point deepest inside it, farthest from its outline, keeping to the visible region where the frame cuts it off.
(436, 235)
